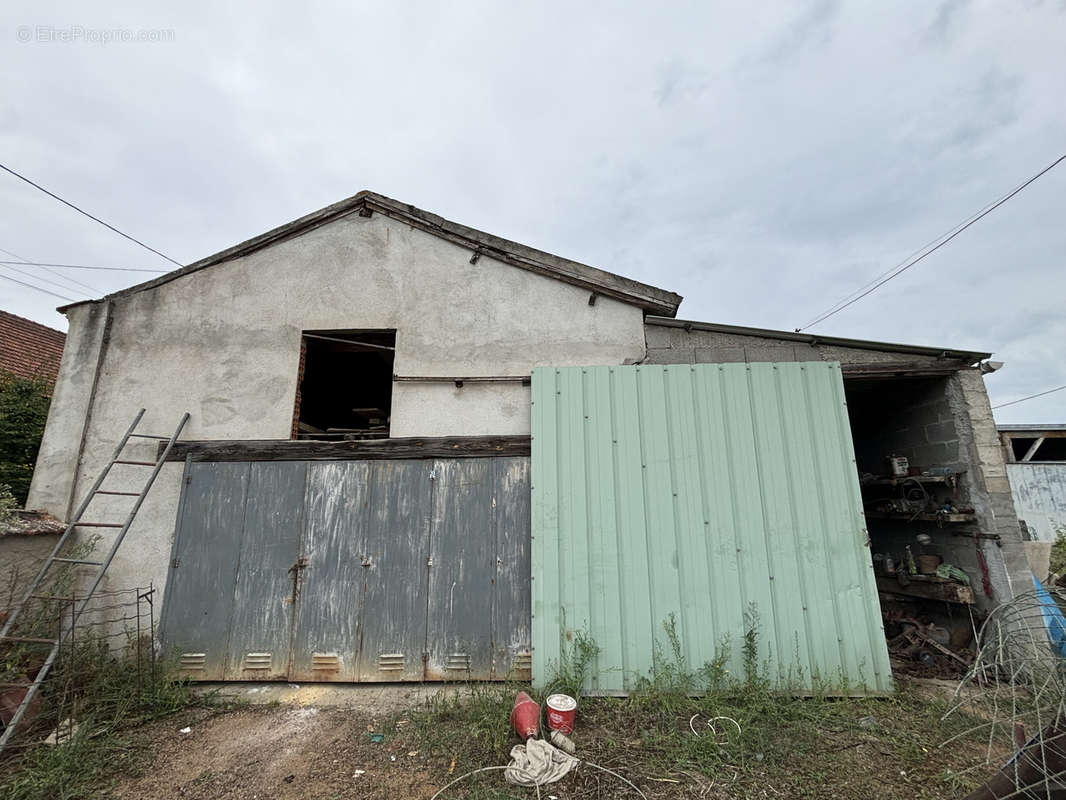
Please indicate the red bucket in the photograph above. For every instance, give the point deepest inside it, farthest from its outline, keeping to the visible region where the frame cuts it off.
(561, 711)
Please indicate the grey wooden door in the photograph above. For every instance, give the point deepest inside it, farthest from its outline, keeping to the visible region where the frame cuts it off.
(387, 570)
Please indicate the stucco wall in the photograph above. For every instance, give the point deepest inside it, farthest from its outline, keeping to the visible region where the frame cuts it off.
(223, 343)
(21, 558)
(67, 415)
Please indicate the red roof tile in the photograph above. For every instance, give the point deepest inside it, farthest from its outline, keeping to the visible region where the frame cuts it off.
(29, 349)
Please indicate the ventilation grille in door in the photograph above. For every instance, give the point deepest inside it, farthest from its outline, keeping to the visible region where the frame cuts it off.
(391, 662)
(457, 661)
(325, 662)
(523, 662)
(257, 661)
(192, 662)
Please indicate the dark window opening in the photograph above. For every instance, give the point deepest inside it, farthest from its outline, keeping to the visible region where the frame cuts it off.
(345, 389)
(1050, 449)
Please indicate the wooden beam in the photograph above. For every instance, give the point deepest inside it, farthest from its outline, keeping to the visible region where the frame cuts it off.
(364, 449)
(927, 588)
(1033, 448)
(901, 369)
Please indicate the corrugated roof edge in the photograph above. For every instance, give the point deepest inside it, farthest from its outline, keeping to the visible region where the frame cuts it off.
(1054, 426)
(651, 299)
(861, 344)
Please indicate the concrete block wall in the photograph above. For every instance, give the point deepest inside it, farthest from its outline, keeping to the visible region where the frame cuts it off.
(911, 418)
(678, 345)
(1009, 569)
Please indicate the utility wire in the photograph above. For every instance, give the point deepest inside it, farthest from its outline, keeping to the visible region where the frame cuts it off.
(83, 266)
(28, 274)
(38, 288)
(87, 214)
(68, 279)
(1030, 397)
(929, 250)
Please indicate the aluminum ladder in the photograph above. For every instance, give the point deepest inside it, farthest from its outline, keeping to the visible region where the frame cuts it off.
(69, 622)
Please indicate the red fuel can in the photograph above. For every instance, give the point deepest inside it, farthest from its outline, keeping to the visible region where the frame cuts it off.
(525, 716)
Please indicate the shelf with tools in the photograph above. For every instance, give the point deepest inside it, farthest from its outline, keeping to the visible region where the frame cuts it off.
(923, 516)
(900, 479)
(926, 587)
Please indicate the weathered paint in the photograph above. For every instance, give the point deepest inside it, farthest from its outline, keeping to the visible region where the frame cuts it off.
(334, 540)
(196, 619)
(1039, 491)
(352, 571)
(263, 596)
(393, 622)
(701, 492)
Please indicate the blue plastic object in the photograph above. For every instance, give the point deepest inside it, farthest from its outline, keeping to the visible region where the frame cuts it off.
(1054, 621)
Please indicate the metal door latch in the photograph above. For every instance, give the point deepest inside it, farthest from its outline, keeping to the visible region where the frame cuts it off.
(367, 561)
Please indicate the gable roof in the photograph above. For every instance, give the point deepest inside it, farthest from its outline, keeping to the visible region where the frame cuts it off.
(649, 298)
(29, 349)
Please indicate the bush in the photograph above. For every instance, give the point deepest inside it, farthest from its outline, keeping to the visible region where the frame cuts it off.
(23, 412)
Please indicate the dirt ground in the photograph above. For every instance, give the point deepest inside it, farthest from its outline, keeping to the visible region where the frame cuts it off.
(287, 753)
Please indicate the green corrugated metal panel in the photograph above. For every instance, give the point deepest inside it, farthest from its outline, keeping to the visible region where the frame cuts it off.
(697, 491)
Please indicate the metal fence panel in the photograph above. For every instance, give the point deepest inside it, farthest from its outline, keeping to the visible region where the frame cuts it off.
(711, 495)
(1039, 491)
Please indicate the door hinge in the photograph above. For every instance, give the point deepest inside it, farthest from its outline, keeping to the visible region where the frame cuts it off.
(175, 563)
(188, 479)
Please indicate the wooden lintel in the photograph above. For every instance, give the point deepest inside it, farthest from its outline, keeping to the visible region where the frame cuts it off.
(365, 449)
(901, 369)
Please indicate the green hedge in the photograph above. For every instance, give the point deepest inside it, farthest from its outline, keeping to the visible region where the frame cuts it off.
(23, 412)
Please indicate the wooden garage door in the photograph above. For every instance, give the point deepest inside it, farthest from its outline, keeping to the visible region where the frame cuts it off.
(352, 571)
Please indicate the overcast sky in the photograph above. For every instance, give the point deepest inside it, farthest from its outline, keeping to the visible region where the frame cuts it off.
(763, 160)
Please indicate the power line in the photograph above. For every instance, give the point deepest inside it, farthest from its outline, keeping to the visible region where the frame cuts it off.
(87, 214)
(939, 242)
(1030, 397)
(38, 277)
(83, 266)
(67, 278)
(38, 288)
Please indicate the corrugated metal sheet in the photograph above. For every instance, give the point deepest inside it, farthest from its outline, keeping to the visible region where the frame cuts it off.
(1039, 492)
(701, 491)
(385, 570)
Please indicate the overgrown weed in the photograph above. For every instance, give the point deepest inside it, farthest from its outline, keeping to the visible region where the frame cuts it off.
(733, 722)
(91, 700)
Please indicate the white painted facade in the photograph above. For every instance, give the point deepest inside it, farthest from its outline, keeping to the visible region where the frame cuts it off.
(223, 343)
